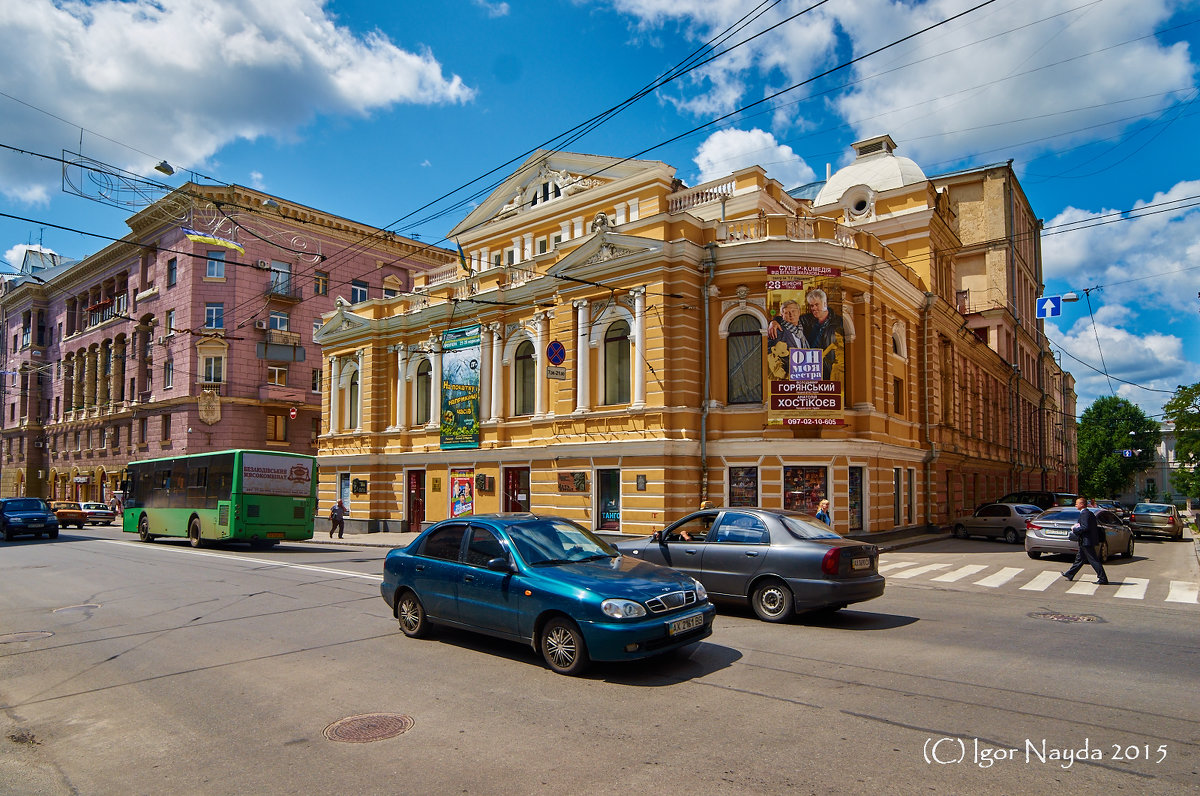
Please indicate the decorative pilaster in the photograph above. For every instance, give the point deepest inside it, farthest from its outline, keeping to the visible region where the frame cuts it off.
(638, 355)
(583, 379)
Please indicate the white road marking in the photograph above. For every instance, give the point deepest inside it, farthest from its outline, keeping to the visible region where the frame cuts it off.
(1183, 592)
(1000, 578)
(1133, 588)
(1084, 587)
(912, 573)
(888, 567)
(245, 559)
(960, 573)
(1042, 581)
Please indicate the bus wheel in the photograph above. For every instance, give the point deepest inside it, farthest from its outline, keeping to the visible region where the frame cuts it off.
(194, 534)
(144, 530)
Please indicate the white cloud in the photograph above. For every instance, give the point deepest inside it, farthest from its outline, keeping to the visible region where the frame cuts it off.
(16, 255)
(1151, 260)
(493, 10)
(729, 150)
(183, 78)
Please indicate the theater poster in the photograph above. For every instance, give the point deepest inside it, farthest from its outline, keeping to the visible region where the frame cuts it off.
(460, 388)
(806, 346)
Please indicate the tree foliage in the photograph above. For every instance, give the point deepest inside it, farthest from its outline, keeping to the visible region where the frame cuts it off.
(1184, 411)
(1108, 428)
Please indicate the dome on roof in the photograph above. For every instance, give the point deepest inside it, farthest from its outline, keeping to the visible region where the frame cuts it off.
(877, 167)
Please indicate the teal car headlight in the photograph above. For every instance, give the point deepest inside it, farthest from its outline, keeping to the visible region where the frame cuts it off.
(701, 592)
(17, 520)
(622, 609)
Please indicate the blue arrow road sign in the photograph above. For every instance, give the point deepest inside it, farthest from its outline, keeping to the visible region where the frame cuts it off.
(1049, 306)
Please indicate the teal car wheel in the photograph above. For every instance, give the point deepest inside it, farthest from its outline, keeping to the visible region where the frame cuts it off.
(411, 615)
(563, 647)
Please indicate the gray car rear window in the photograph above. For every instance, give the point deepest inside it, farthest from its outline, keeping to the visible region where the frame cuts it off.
(807, 529)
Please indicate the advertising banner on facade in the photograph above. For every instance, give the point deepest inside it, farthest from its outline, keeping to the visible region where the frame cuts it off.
(462, 491)
(460, 387)
(806, 346)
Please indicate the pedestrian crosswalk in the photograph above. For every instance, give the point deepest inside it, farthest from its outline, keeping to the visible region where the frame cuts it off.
(1038, 580)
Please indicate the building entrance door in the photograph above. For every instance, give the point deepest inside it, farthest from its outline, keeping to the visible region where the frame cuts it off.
(608, 492)
(416, 500)
(516, 489)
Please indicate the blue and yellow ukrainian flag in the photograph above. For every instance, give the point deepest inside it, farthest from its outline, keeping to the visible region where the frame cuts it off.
(200, 237)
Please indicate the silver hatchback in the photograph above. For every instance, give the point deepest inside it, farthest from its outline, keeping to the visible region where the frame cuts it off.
(1047, 533)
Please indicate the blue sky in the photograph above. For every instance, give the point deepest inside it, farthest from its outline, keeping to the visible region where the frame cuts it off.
(372, 112)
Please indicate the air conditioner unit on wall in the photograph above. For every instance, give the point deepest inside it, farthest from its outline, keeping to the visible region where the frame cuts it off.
(263, 264)
(260, 324)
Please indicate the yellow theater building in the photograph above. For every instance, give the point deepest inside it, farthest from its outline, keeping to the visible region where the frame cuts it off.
(618, 348)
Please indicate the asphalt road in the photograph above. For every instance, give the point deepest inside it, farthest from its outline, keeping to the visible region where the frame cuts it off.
(158, 668)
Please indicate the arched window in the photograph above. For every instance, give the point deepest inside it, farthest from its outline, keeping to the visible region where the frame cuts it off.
(523, 374)
(352, 401)
(744, 350)
(424, 380)
(616, 364)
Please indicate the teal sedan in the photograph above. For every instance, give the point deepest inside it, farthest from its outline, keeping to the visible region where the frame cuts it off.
(547, 582)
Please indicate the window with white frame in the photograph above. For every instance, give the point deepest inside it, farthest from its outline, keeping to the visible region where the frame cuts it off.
(523, 380)
(616, 364)
(278, 320)
(214, 370)
(216, 265)
(277, 375)
(214, 315)
(358, 291)
(168, 374)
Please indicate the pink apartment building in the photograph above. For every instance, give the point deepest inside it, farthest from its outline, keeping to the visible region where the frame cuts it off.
(193, 333)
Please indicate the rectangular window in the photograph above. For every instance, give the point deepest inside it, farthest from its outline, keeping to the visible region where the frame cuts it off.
(911, 504)
(317, 324)
(276, 428)
(214, 369)
(897, 494)
(166, 428)
(358, 291)
(854, 499)
(556, 240)
(214, 315)
(390, 292)
(497, 260)
(803, 488)
(172, 272)
(541, 245)
(277, 375)
(743, 486)
(316, 379)
(168, 374)
(278, 320)
(898, 396)
(321, 283)
(143, 430)
(216, 265)
(170, 322)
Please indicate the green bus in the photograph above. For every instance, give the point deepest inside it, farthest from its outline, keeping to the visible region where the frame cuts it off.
(260, 497)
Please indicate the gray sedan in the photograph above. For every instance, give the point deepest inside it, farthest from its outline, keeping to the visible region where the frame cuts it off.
(997, 520)
(1156, 518)
(1047, 533)
(780, 562)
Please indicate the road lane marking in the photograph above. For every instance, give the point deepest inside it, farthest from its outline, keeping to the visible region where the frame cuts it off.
(912, 573)
(1183, 592)
(1133, 588)
(247, 559)
(888, 567)
(1000, 578)
(1084, 587)
(960, 573)
(1042, 581)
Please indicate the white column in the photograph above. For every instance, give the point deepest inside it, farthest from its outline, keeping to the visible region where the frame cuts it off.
(637, 356)
(539, 363)
(401, 393)
(496, 411)
(583, 359)
(565, 230)
(633, 209)
(362, 384)
(620, 212)
(516, 242)
(435, 384)
(486, 256)
(578, 222)
(528, 244)
(335, 397)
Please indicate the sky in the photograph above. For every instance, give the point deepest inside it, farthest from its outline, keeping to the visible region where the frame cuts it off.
(405, 121)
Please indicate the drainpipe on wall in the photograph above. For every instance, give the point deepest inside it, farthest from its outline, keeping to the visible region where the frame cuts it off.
(710, 262)
(931, 454)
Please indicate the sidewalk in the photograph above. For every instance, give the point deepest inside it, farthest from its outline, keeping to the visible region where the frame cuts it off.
(884, 540)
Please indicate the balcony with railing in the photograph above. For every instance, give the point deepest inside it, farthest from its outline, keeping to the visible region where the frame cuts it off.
(283, 288)
(217, 387)
(282, 337)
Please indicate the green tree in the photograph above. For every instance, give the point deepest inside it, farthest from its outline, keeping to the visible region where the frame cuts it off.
(1184, 411)
(1108, 429)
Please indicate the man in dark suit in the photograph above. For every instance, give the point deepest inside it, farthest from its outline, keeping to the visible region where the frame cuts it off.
(1089, 538)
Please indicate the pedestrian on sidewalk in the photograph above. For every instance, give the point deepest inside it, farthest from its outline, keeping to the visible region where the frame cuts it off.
(823, 512)
(335, 519)
(1089, 532)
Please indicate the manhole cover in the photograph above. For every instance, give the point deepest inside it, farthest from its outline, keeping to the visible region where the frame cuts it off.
(28, 635)
(368, 727)
(82, 607)
(1058, 617)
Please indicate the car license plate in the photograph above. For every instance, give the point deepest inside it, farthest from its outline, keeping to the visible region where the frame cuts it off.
(36, 524)
(860, 563)
(275, 535)
(685, 624)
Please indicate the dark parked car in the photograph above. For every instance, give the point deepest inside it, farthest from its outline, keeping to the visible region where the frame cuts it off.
(1156, 518)
(1113, 506)
(26, 515)
(1047, 533)
(997, 520)
(545, 581)
(1040, 498)
(781, 562)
